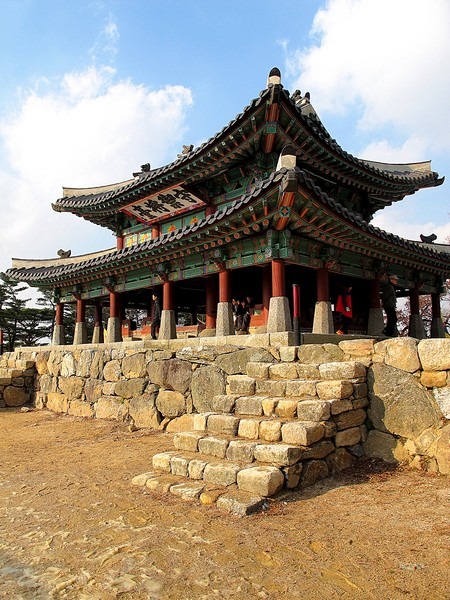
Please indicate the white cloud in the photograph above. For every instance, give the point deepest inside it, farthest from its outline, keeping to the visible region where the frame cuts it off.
(386, 57)
(89, 130)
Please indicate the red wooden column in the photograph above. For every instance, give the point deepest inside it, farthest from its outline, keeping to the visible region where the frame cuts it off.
(168, 328)
(323, 317)
(59, 313)
(266, 291)
(224, 320)
(155, 231)
(98, 335)
(168, 295)
(323, 288)
(225, 285)
(58, 338)
(278, 278)
(114, 331)
(119, 242)
(211, 303)
(416, 328)
(437, 326)
(80, 333)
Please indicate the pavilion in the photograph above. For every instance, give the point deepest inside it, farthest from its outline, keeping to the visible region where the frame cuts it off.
(268, 204)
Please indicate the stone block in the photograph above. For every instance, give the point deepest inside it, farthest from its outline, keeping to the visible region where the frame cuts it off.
(249, 405)
(431, 379)
(241, 384)
(170, 403)
(71, 387)
(261, 481)
(187, 441)
(339, 460)
(112, 371)
(161, 461)
(161, 484)
(16, 396)
(207, 382)
(319, 450)
(213, 446)
(142, 479)
(221, 473)
(130, 388)
(249, 429)
(283, 371)
(434, 354)
(302, 433)
(281, 455)
(223, 403)
(360, 390)
(268, 387)
(301, 389)
(286, 409)
(269, 405)
(55, 402)
(258, 370)
(340, 406)
(352, 418)
(313, 471)
(224, 424)
(442, 397)
(402, 353)
(177, 424)
(134, 366)
(236, 362)
(329, 390)
(79, 408)
(196, 468)
(384, 446)
(240, 504)
(307, 372)
(288, 353)
(240, 451)
(143, 411)
(179, 466)
(187, 491)
(348, 437)
(270, 431)
(110, 407)
(318, 354)
(342, 370)
(313, 410)
(292, 475)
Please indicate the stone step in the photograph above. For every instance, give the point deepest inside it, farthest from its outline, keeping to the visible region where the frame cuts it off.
(229, 499)
(259, 479)
(297, 370)
(277, 453)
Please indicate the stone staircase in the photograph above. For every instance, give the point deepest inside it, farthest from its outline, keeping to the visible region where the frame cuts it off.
(279, 427)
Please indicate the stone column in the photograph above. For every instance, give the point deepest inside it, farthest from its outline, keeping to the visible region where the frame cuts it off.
(211, 304)
(114, 329)
(98, 336)
(279, 318)
(167, 329)
(224, 323)
(323, 316)
(416, 328)
(58, 330)
(437, 326)
(80, 333)
(375, 324)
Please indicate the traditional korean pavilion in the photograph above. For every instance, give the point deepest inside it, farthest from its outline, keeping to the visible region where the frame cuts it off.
(268, 205)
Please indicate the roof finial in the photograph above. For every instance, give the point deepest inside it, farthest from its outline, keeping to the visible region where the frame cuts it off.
(274, 77)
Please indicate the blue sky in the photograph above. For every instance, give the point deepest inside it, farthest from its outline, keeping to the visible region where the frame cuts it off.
(92, 89)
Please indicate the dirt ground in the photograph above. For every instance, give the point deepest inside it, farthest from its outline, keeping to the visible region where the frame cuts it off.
(73, 526)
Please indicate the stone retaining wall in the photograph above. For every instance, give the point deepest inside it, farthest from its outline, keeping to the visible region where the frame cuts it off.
(162, 384)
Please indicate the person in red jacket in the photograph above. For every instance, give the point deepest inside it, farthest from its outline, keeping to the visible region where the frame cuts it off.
(344, 311)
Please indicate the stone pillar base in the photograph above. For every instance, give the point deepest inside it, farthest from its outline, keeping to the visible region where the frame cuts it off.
(98, 335)
(375, 324)
(437, 328)
(416, 328)
(59, 336)
(279, 318)
(167, 328)
(323, 318)
(80, 334)
(114, 330)
(224, 320)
